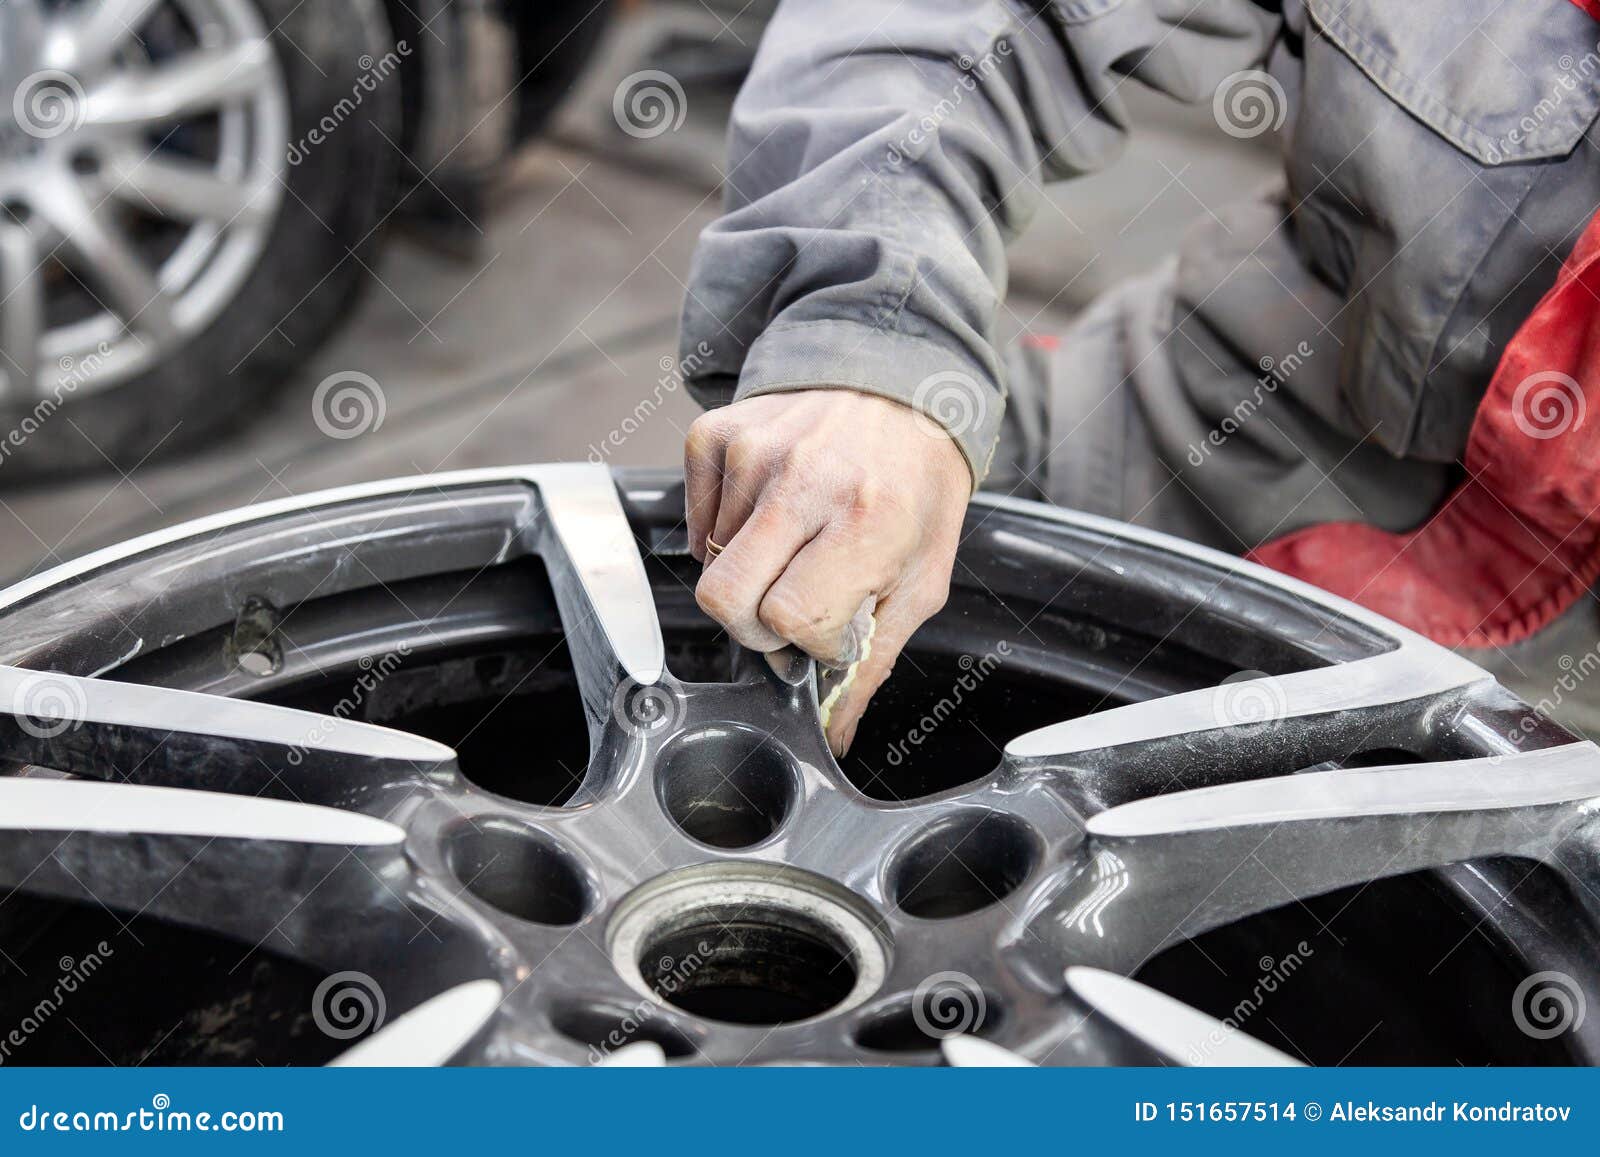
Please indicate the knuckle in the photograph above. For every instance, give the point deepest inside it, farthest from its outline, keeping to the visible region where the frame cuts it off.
(749, 451)
(875, 495)
(781, 616)
(778, 617)
(697, 442)
(869, 494)
(705, 432)
(714, 596)
(736, 457)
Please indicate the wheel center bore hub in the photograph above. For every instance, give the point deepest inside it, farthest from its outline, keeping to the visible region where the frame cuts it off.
(748, 943)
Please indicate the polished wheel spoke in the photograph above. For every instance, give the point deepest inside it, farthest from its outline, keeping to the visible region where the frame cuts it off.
(965, 1051)
(1241, 730)
(199, 82)
(430, 1034)
(1171, 867)
(21, 311)
(645, 1054)
(284, 894)
(157, 736)
(64, 805)
(186, 190)
(1176, 1033)
(600, 583)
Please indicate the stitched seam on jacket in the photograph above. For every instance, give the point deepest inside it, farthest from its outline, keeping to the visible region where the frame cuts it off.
(1409, 95)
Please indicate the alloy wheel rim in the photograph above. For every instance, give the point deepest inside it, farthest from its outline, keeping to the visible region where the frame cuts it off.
(1099, 841)
(145, 159)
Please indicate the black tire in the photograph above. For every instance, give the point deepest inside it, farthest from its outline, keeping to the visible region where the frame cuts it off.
(304, 282)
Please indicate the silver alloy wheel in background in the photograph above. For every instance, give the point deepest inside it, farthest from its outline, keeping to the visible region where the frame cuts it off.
(712, 881)
(94, 181)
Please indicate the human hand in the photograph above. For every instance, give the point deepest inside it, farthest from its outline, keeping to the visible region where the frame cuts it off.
(821, 501)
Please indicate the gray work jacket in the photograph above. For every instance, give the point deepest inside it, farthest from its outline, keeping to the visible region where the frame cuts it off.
(1440, 158)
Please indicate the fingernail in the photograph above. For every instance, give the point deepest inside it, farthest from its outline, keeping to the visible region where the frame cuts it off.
(839, 743)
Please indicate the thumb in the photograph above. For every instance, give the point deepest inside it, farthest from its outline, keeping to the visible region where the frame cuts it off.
(887, 632)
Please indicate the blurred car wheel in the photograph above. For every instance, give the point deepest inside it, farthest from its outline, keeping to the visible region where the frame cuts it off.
(189, 192)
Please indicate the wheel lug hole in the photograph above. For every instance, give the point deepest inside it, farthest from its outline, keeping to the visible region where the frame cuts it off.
(726, 786)
(962, 863)
(519, 871)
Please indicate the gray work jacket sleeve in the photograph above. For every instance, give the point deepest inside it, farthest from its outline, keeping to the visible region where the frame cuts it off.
(883, 152)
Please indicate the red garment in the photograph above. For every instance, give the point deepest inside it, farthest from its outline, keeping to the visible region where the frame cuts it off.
(1592, 7)
(1519, 542)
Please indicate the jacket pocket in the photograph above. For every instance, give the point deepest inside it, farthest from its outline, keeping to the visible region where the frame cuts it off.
(1502, 82)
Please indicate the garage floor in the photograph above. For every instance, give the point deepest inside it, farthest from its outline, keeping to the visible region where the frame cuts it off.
(541, 344)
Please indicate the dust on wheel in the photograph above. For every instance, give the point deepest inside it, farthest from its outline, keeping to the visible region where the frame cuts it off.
(461, 754)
